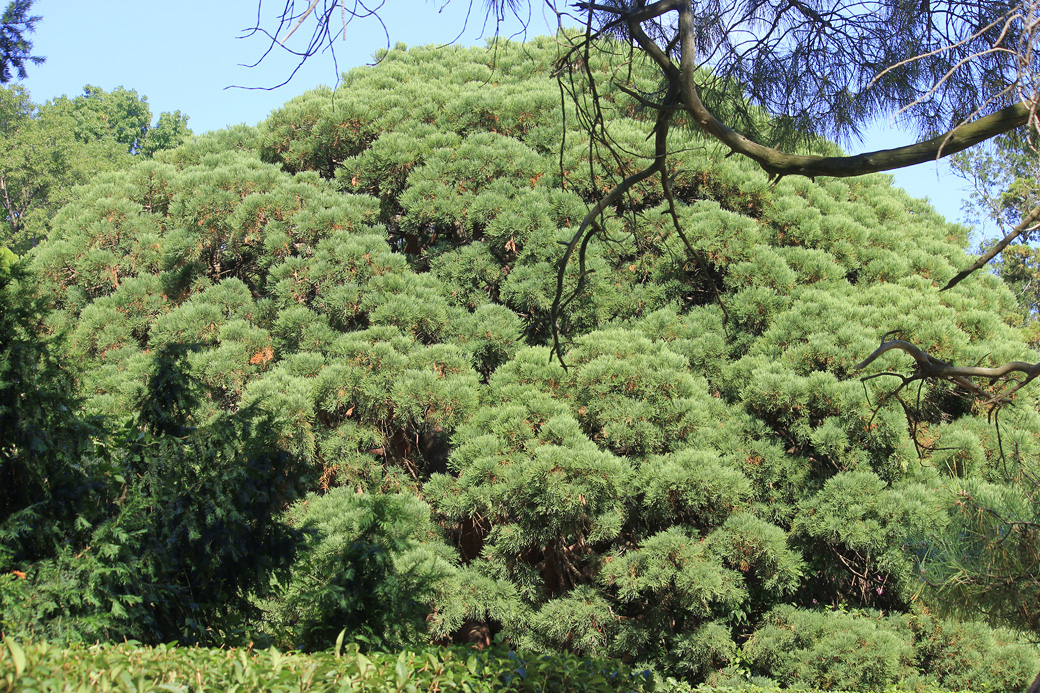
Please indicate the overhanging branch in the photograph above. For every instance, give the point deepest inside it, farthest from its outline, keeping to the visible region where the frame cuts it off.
(777, 163)
(773, 161)
(930, 368)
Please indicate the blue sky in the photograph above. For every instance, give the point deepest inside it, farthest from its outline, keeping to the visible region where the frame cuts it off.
(184, 56)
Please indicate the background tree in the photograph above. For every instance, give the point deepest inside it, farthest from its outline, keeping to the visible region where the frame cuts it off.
(15, 47)
(160, 530)
(1004, 175)
(52, 147)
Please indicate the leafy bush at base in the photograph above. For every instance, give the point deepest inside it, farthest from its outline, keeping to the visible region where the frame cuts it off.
(128, 667)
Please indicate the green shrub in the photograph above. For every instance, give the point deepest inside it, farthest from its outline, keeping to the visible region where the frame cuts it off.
(129, 667)
(369, 568)
(832, 649)
(828, 650)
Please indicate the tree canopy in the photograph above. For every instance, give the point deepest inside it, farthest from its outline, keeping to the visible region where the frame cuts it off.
(754, 76)
(356, 299)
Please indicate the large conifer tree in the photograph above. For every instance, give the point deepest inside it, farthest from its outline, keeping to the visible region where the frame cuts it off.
(370, 280)
(962, 72)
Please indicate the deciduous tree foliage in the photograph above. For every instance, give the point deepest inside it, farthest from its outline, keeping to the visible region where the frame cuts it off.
(52, 147)
(1004, 175)
(706, 488)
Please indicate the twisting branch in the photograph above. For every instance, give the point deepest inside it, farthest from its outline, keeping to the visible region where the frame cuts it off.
(996, 395)
(930, 368)
(659, 165)
(588, 225)
(779, 164)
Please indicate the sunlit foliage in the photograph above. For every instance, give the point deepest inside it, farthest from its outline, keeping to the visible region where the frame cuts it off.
(352, 299)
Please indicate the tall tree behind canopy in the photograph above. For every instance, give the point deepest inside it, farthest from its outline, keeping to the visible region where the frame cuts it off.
(1004, 175)
(15, 47)
(50, 148)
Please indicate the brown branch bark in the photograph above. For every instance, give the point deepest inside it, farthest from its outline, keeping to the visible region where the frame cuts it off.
(937, 368)
(775, 162)
(12, 213)
(1035, 688)
(929, 367)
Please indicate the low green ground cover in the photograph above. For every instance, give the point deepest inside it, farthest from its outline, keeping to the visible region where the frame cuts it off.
(130, 667)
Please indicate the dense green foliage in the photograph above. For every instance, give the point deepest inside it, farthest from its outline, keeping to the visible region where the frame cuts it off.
(158, 530)
(352, 300)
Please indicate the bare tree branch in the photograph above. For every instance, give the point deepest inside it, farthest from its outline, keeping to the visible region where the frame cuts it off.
(778, 164)
(1027, 224)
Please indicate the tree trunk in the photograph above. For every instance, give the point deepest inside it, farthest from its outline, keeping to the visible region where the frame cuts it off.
(1035, 688)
